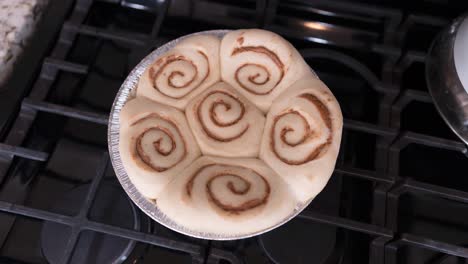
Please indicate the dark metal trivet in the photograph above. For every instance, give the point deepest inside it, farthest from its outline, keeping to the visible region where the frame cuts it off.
(111, 207)
(397, 173)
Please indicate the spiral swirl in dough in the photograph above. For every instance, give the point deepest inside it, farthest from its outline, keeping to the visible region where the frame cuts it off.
(225, 123)
(155, 144)
(302, 136)
(232, 195)
(183, 72)
(231, 189)
(260, 64)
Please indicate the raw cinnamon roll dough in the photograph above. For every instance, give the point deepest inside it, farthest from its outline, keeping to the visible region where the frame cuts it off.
(183, 72)
(302, 136)
(260, 64)
(227, 196)
(225, 123)
(233, 192)
(155, 144)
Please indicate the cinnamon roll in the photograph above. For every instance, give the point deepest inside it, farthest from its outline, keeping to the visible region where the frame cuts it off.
(260, 64)
(183, 72)
(302, 136)
(227, 196)
(155, 144)
(225, 123)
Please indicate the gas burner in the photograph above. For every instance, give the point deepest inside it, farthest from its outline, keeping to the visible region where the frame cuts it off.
(111, 207)
(300, 241)
(304, 241)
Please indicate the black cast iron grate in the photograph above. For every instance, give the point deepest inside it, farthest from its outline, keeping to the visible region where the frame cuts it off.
(393, 166)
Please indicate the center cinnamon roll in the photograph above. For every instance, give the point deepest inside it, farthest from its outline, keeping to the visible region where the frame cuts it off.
(221, 110)
(225, 123)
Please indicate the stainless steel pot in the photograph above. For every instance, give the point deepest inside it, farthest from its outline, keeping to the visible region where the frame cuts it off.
(447, 75)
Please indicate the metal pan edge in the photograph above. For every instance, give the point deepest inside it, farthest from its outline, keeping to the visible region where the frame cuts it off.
(125, 93)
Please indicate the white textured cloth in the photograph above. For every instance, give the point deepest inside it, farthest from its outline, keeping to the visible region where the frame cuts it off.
(18, 19)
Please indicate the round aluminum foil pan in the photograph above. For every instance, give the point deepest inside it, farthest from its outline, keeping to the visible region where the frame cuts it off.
(127, 92)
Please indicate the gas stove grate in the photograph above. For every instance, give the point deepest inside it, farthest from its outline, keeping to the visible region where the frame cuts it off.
(375, 43)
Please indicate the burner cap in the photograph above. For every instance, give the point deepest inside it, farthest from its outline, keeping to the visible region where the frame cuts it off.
(299, 241)
(111, 206)
(305, 241)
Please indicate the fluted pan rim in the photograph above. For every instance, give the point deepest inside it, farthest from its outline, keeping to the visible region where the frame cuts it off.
(127, 92)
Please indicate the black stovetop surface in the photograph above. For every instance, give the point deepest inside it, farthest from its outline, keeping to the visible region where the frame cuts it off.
(399, 193)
